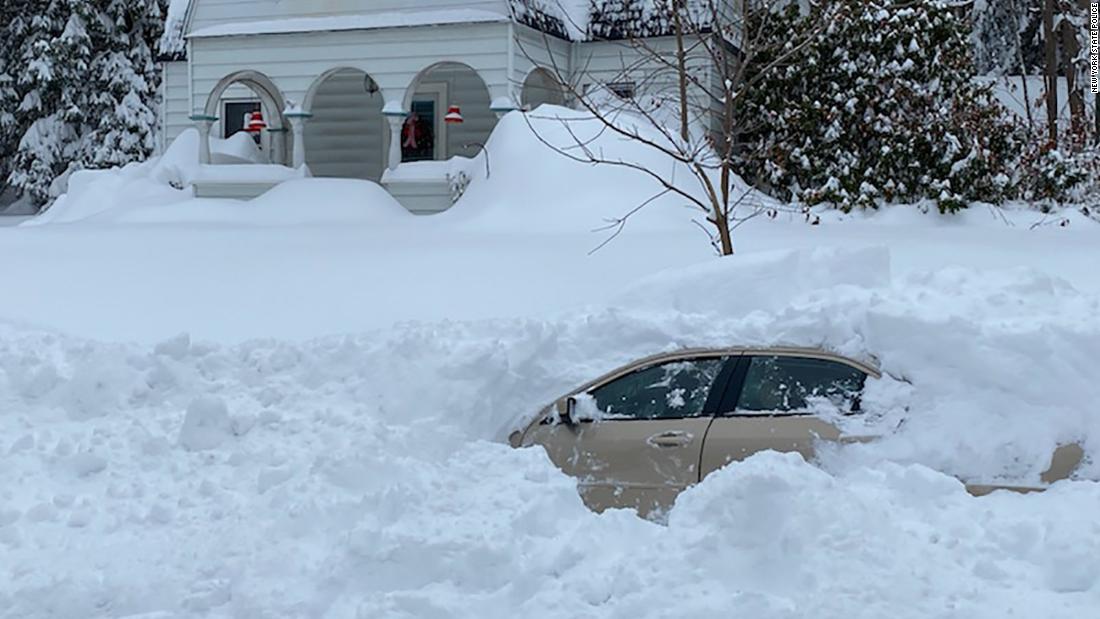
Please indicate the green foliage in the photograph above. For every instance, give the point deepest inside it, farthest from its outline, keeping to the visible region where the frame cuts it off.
(80, 88)
(880, 106)
(1051, 175)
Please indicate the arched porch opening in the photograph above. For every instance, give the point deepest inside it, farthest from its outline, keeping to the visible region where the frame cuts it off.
(239, 93)
(346, 136)
(541, 87)
(425, 135)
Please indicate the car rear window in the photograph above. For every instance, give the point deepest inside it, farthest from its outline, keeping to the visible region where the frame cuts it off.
(799, 385)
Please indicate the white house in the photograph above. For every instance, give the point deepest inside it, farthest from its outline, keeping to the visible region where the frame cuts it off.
(362, 88)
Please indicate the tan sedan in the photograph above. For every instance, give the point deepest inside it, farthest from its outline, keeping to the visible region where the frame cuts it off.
(638, 436)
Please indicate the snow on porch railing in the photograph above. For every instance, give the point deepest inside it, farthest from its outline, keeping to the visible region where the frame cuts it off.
(456, 173)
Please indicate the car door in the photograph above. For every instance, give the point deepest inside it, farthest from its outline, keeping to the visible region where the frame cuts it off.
(780, 401)
(643, 446)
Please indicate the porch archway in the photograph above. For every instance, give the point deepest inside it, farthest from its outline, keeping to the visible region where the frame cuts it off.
(346, 135)
(272, 105)
(541, 87)
(434, 90)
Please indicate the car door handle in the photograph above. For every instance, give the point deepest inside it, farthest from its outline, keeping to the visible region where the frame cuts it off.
(849, 439)
(672, 438)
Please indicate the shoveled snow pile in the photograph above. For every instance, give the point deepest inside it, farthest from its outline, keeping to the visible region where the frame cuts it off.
(365, 476)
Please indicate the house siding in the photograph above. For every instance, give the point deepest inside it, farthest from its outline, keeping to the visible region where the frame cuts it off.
(175, 107)
(217, 12)
(294, 62)
(602, 62)
(346, 136)
(534, 49)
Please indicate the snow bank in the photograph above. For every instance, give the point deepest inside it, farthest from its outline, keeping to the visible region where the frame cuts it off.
(179, 165)
(92, 192)
(301, 202)
(765, 281)
(158, 192)
(363, 476)
(529, 158)
(238, 148)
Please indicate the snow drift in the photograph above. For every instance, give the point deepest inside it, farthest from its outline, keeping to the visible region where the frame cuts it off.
(364, 476)
(264, 468)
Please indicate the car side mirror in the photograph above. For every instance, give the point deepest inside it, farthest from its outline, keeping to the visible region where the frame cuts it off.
(567, 411)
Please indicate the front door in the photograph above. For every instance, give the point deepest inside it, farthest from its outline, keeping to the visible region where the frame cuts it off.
(418, 134)
(781, 402)
(424, 134)
(641, 445)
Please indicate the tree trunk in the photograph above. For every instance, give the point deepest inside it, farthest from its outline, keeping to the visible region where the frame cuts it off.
(1051, 73)
(723, 224)
(1076, 96)
(1023, 70)
(681, 68)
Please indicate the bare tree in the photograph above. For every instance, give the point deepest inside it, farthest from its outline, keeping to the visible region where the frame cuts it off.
(690, 56)
(1050, 46)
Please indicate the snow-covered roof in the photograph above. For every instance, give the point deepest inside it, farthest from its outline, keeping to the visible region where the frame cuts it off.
(582, 20)
(393, 19)
(175, 20)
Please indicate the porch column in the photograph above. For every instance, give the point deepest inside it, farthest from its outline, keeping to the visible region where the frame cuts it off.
(278, 145)
(203, 123)
(297, 120)
(395, 118)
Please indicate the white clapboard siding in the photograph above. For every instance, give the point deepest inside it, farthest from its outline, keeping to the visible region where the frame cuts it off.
(175, 107)
(602, 62)
(218, 12)
(346, 136)
(533, 49)
(393, 57)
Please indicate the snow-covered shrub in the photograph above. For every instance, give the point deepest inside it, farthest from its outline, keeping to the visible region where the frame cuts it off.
(1052, 175)
(458, 182)
(880, 107)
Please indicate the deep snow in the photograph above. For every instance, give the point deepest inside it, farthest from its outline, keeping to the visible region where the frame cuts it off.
(296, 406)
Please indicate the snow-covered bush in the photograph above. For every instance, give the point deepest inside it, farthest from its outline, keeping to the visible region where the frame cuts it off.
(82, 83)
(880, 107)
(1052, 175)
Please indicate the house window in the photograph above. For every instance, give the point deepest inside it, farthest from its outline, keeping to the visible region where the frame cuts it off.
(235, 115)
(622, 90)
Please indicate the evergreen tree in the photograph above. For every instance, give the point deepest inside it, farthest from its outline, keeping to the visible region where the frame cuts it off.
(87, 87)
(881, 108)
(16, 27)
(126, 73)
(1007, 37)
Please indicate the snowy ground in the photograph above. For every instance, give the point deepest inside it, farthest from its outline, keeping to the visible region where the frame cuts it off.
(13, 220)
(296, 407)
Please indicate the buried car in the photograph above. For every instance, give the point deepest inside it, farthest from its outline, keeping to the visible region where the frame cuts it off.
(639, 435)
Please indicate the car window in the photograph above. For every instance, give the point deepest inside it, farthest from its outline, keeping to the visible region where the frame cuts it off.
(667, 391)
(793, 385)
